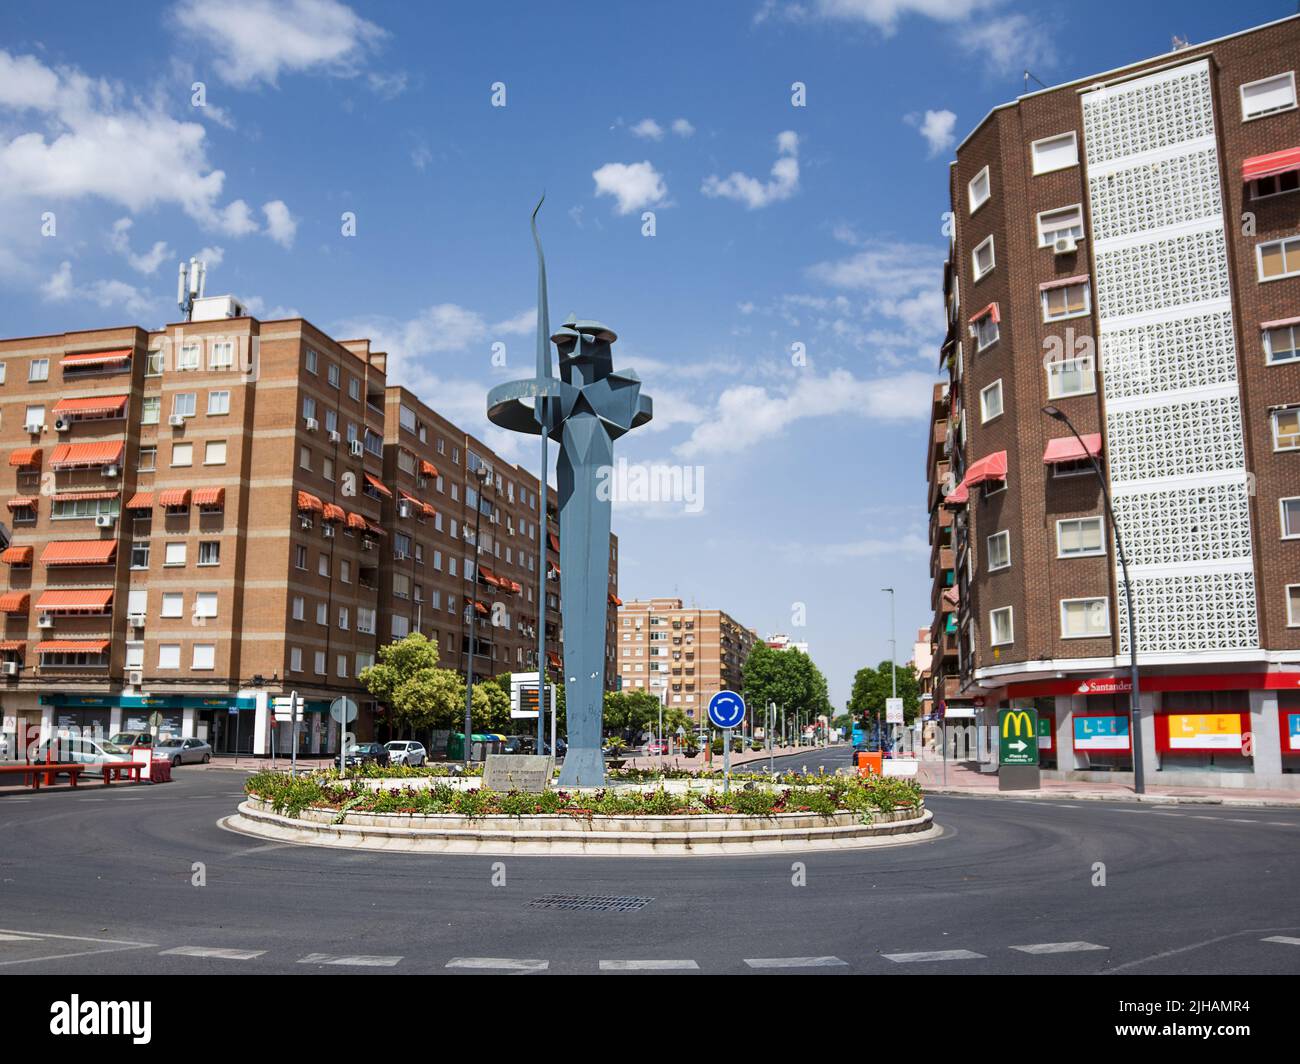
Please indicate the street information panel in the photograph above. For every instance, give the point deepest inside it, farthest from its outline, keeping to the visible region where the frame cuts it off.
(1018, 737)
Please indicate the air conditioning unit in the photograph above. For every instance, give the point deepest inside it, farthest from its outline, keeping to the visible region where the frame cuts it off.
(62, 424)
(334, 436)
(304, 521)
(35, 426)
(312, 424)
(328, 531)
(11, 668)
(367, 544)
(105, 521)
(356, 448)
(110, 471)
(176, 421)
(45, 620)
(135, 677)
(403, 509)
(1065, 245)
(136, 620)
(421, 482)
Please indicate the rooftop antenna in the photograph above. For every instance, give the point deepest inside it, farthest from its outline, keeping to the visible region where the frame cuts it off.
(1179, 43)
(1029, 75)
(190, 285)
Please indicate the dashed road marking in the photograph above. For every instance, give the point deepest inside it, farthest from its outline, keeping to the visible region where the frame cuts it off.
(213, 951)
(648, 966)
(357, 961)
(1282, 940)
(794, 962)
(936, 955)
(508, 964)
(1059, 947)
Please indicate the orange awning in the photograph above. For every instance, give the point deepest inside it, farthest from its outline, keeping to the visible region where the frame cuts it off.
(105, 452)
(554, 540)
(378, 485)
(22, 502)
(18, 555)
(481, 607)
(958, 496)
(98, 598)
(210, 497)
(991, 309)
(374, 529)
(991, 467)
(95, 358)
(141, 500)
(79, 552)
(95, 404)
(72, 646)
(334, 513)
(174, 498)
(488, 576)
(77, 496)
(554, 659)
(555, 568)
(429, 511)
(408, 497)
(427, 469)
(357, 521)
(1279, 162)
(11, 645)
(308, 501)
(614, 600)
(1068, 449)
(25, 456)
(15, 601)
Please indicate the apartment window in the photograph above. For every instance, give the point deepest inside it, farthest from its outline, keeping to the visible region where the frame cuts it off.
(401, 586)
(174, 553)
(173, 604)
(986, 331)
(345, 571)
(310, 360)
(354, 389)
(327, 468)
(331, 420)
(214, 452)
(978, 190)
(35, 416)
(1286, 429)
(1065, 223)
(1075, 468)
(1266, 187)
(189, 356)
(1066, 301)
(991, 402)
(183, 403)
(323, 614)
(1001, 630)
(295, 659)
(205, 604)
(1085, 618)
(983, 259)
(300, 557)
(3, 371)
(1055, 153)
(38, 369)
(150, 409)
(153, 362)
(320, 663)
(999, 545)
(146, 460)
(406, 417)
(366, 620)
(401, 626)
(1079, 537)
(140, 554)
(1293, 605)
(299, 608)
(341, 664)
(1290, 517)
(182, 454)
(1282, 344)
(221, 355)
(205, 656)
(134, 655)
(1268, 96)
(169, 655)
(332, 375)
(308, 406)
(1071, 376)
(210, 552)
(304, 458)
(345, 618)
(1279, 258)
(323, 565)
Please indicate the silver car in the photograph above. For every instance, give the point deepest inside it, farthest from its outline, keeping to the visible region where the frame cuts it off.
(406, 752)
(184, 751)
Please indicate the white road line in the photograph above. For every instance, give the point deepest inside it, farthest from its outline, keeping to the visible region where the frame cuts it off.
(359, 961)
(18, 938)
(213, 951)
(499, 963)
(1280, 824)
(795, 962)
(1058, 947)
(1282, 940)
(937, 955)
(109, 945)
(1233, 820)
(648, 966)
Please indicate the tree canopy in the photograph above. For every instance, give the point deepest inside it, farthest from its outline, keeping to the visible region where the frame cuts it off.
(871, 687)
(787, 678)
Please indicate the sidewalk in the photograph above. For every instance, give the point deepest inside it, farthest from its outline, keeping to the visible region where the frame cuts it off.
(964, 779)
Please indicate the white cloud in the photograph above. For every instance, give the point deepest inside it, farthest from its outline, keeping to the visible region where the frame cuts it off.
(748, 415)
(683, 128)
(253, 42)
(59, 286)
(753, 193)
(281, 226)
(1009, 43)
(937, 127)
(212, 256)
(120, 241)
(648, 129)
(633, 185)
(106, 294)
(882, 14)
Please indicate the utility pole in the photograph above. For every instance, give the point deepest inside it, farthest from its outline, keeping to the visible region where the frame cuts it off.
(893, 647)
(484, 475)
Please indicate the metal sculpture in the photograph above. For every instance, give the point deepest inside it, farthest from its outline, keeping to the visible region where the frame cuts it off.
(585, 410)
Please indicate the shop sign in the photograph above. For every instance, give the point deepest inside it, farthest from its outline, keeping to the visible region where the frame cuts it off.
(1101, 733)
(1204, 731)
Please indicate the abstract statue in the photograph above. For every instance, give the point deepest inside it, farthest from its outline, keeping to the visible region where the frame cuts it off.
(585, 411)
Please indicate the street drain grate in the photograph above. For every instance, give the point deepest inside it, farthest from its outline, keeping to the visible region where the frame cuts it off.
(591, 903)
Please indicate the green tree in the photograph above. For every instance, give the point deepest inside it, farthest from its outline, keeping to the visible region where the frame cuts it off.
(787, 678)
(419, 693)
(871, 687)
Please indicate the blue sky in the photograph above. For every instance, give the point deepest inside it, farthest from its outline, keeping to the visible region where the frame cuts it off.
(775, 225)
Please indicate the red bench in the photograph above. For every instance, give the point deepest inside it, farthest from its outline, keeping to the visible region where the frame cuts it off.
(50, 769)
(121, 768)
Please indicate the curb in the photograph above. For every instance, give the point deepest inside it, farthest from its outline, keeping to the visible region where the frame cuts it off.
(1145, 799)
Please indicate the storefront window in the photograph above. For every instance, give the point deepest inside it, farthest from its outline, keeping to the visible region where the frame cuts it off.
(1203, 731)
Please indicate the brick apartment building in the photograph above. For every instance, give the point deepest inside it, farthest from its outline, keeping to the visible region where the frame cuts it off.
(680, 654)
(1126, 248)
(208, 516)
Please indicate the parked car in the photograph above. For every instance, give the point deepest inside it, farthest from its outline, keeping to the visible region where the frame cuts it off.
(82, 751)
(184, 751)
(655, 747)
(365, 754)
(130, 740)
(406, 752)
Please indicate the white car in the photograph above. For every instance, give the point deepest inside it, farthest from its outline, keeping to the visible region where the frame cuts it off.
(82, 751)
(406, 752)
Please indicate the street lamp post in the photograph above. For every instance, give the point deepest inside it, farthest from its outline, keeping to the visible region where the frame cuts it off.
(893, 647)
(484, 475)
(1134, 698)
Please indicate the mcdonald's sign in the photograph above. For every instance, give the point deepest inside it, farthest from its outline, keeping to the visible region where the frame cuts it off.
(1018, 737)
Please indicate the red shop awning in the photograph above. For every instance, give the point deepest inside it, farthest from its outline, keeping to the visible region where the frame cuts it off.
(1279, 162)
(992, 467)
(1068, 449)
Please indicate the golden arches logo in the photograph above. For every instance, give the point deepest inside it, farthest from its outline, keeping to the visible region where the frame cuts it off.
(1015, 720)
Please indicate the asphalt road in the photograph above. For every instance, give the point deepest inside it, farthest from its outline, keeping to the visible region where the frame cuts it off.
(106, 880)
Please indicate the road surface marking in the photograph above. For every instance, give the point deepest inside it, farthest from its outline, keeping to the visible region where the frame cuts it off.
(359, 961)
(17, 938)
(108, 945)
(937, 955)
(794, 962)
(503, 963)
(1282, 940)
(213, 951)
(1058, 947)
(648, 966)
